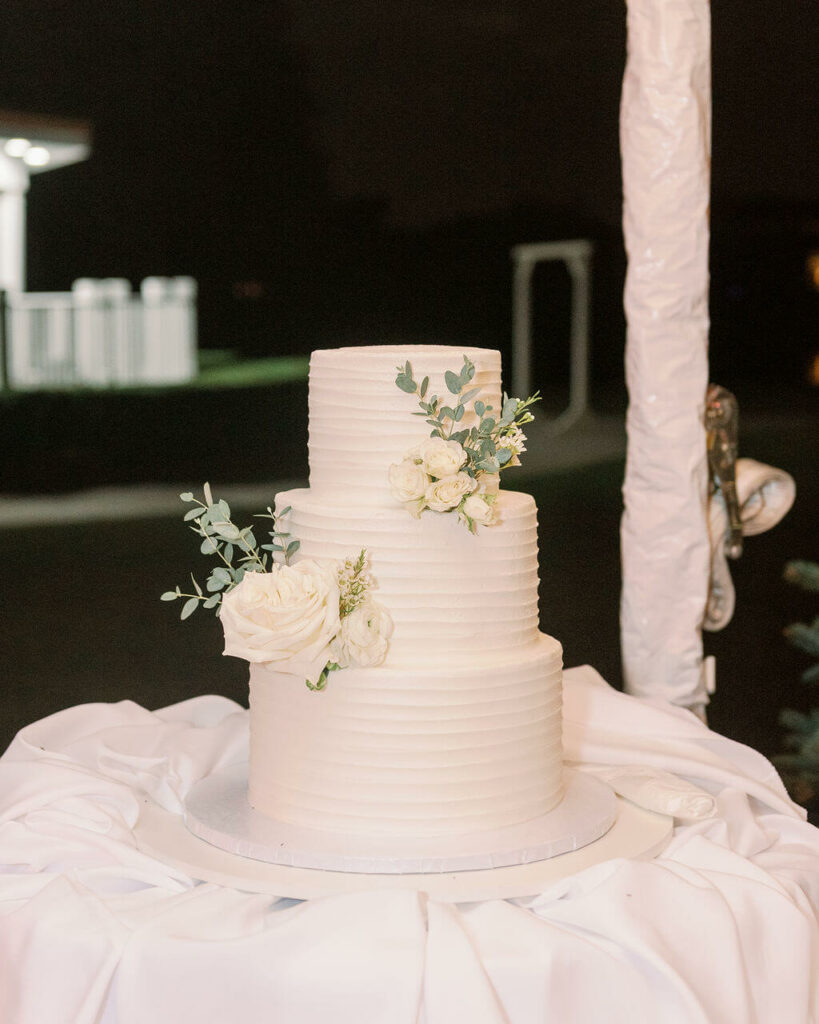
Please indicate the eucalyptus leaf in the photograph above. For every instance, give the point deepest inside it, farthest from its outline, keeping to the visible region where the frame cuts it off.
(208, 494)
(449, 413)
(186, 496)
(214, 584)
(503, 456)
(209, 546)
(424, 386)
(480, 408)
(453, 382)
(193, 513)
(224, 508)
(406, 385)
(189, 607)
(227, 552)
(212, 601)
(169, 595)
(227, 531)
(510, 407)
(293, 547)
(459, 414)
(487, 425)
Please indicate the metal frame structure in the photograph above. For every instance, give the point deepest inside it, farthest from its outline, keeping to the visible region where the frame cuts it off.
(576, 254)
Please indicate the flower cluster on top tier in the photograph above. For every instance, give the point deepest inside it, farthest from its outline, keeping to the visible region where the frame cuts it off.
(458, 470)
(308, 619)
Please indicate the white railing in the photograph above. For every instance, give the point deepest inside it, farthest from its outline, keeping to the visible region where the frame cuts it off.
(100, 334)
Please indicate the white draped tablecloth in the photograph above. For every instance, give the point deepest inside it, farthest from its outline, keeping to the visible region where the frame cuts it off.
(723, 926)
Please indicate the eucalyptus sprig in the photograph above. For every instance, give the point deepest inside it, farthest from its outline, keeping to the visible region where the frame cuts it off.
(483, 442)
(236, 548)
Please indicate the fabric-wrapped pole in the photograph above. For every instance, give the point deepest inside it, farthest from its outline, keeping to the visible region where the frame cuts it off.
(665, 129)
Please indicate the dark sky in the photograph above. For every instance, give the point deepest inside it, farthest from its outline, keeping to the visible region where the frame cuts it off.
(228, 129)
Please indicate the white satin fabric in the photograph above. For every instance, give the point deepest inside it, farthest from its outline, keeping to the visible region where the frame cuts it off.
(665, 140)
(765, 495)
(722, 927)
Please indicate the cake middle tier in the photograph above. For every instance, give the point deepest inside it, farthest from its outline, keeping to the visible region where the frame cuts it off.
(448, 591)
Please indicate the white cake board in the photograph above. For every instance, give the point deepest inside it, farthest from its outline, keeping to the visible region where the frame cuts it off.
(636, 833)
(216, 810)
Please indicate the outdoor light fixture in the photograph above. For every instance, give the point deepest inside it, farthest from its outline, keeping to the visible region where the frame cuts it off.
(16, 147)
(36, 156)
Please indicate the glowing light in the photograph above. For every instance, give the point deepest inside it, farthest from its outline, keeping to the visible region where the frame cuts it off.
(812, 268)
(16, 147)
(36, 156)
(813, 371)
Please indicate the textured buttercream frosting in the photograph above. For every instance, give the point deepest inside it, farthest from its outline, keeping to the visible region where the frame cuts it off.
(459, 730)
(360, 422)
(466, 747)
(450, 593)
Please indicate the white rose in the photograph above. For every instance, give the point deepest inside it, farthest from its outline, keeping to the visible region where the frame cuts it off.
(286, 617)
(363, 637)
(408, 480)
(479, 510)
(444, 494)
(441, 458)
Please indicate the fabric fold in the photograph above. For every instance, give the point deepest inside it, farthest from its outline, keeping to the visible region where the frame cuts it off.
(723, 926)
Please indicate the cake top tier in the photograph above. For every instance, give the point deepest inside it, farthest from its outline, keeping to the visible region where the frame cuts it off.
(361, 422)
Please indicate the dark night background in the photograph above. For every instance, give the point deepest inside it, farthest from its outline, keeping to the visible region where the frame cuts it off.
(357, 173)
(330, 169)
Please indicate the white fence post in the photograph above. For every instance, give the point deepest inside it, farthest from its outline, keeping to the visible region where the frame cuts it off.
(93, 365)
(170, 329)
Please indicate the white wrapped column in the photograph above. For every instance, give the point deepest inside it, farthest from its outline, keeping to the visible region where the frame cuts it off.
(665, 140)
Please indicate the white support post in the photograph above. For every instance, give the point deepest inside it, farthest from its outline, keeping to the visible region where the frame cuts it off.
(665, 129)
(13, 188)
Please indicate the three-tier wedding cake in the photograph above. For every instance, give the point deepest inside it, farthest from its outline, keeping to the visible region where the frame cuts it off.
(458, 729)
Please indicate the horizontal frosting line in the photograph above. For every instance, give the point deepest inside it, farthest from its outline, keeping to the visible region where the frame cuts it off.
(466, 762)
(543, 649)
(405, 700)
(499, 723)
(425, 742)
(354, 724)
(453, 793)
(443, 806)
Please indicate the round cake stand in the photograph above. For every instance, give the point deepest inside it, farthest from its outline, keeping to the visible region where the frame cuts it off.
(217, 810)
(636, 833)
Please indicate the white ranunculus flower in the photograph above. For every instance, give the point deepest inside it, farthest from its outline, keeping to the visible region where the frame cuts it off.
(286, 617)
(441, 458)
(408, 480)
(479, 510)
(363, 637)
(444, 494)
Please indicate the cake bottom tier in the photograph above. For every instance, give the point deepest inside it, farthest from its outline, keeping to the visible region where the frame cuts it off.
(411, 752)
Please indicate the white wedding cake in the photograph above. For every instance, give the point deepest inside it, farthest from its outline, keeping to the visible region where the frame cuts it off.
(458, 730)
